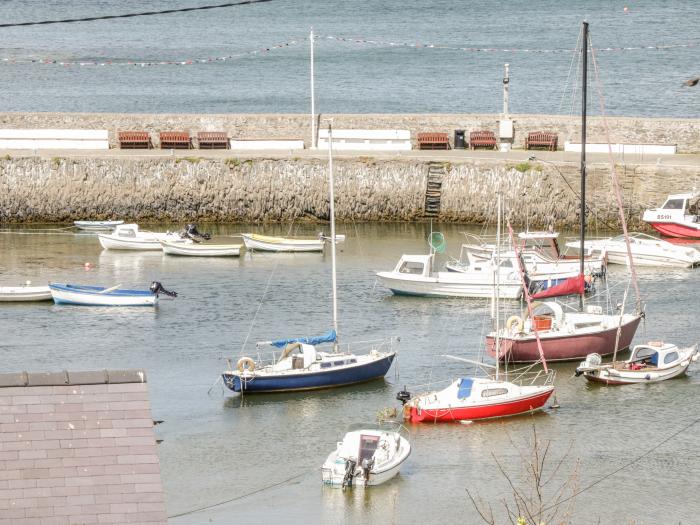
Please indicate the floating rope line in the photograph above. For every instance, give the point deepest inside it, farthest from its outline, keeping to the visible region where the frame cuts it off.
(292, 43)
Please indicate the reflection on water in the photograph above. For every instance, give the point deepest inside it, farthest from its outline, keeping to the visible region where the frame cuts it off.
(220, 446)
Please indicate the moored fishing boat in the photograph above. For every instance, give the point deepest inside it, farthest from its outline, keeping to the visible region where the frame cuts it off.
(193, 249)
(648, 363)
(414, 275)
(129, 237)
(365, 458)
(678, 217)
(97, 225)
(24, 293)
(266, 243)
(85, 295)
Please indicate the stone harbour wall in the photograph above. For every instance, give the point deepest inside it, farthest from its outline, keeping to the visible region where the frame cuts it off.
(56, 190)
(685, 133)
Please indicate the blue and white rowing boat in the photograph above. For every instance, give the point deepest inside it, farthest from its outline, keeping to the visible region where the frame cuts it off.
(85, 295)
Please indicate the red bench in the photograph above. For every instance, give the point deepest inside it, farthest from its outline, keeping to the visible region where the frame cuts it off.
(134, 140)
(213, 140)
(175, 140)
(431, 140)
(541, 139)
(482, 139)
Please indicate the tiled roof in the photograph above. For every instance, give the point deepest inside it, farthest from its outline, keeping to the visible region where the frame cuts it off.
(78, 448)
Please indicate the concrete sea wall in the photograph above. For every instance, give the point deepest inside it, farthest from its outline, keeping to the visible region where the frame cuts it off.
(34, 189)
(685, 133)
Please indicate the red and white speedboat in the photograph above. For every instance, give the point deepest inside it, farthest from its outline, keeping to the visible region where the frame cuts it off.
(678, 217)
(470, 398)
(564, 336)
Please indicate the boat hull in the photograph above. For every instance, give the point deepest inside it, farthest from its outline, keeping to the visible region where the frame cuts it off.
(283, 245)
(24, 293)
(201, 250)
(90, 296)
(673, 229)
(333, 477)
(630, 377)
(447, 287)
(512, 407)
(564, 347)
(310, 381)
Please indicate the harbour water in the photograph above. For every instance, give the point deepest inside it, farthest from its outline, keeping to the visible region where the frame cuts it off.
(262, 454)
(395, 56)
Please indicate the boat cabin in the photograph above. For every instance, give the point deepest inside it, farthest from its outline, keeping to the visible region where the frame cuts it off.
(472, 387)
(421, 265)
(542, 242)
(127, 230)
(682, 204)
(655, 354)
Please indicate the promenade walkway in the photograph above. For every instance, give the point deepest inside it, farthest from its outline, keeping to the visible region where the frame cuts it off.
(454, 156)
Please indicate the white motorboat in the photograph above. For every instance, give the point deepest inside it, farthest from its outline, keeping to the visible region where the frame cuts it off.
(24, 293)
(97, 225)
(678, 217)
(189, 248)
(414, 275)
(265, 243)
(365, 458)
(649, 363)
(129, 237)
(646, 251)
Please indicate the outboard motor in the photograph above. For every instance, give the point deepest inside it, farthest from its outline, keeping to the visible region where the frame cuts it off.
(157, 288)
(350, 466)
(191, 232)
(404, 396)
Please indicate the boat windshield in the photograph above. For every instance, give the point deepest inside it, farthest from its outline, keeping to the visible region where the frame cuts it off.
(674, 204)
(412, 267)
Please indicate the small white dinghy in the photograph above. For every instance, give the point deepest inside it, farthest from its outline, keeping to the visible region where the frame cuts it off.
(24, 293)
(201, 250)
(95, 226)
(265, 243)
(649, 363)
(365, 457)
(129, 237)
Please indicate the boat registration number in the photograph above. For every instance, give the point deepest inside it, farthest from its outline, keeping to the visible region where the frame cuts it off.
(663, 217)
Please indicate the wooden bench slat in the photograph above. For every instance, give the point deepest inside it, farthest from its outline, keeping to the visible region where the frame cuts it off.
(433, 140)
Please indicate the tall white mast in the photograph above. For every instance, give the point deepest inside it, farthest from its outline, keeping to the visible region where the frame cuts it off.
(313, 101)
(332, 214)
(498, 282)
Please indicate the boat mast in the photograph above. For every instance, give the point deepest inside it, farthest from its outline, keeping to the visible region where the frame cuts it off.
(584, 81)
(498, 283)
(332, 214)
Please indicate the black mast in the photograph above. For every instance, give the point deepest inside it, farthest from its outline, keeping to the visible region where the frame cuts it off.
(584, 81)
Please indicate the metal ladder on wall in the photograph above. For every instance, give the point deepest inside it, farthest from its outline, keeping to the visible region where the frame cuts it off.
(433, 190)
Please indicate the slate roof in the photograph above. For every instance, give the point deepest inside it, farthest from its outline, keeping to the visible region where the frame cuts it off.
(78, 448)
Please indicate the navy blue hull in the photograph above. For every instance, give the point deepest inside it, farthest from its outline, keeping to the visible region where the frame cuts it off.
(312, 380)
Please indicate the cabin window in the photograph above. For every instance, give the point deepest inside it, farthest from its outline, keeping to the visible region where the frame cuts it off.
(670, 357)
(325, 365)
(491, 392)
(352, 361)
(338, 363)
(127, 233)
(415, 268)
(673, 204)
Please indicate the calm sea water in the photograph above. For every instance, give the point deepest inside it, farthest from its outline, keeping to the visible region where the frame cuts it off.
(641, 76)
(219, 447)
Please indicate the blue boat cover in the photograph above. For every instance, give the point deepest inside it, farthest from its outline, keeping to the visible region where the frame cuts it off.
(328, 337)
(465, 387)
